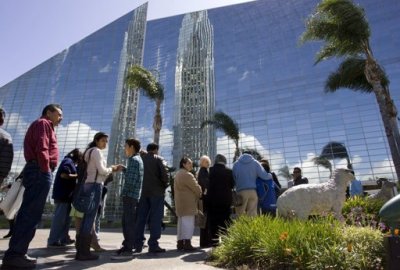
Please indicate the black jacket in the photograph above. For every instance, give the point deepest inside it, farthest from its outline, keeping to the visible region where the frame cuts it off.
(221, 183)
(155, 177)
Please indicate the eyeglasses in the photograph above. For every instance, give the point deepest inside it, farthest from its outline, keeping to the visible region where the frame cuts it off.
(296, 172)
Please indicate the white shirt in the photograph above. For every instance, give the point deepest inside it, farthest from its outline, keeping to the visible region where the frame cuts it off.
(96, 162)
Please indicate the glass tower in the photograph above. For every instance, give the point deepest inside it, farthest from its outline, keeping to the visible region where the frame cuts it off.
(194, 88)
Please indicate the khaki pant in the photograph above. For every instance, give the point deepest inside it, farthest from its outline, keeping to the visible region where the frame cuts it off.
(249, 205)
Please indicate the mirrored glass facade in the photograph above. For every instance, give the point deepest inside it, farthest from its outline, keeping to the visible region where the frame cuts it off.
(244, 60)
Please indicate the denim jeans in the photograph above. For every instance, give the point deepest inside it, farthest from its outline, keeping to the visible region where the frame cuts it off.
(37, 185)
(89, 217)
(129, 206)
(60, 223)
(151, 209)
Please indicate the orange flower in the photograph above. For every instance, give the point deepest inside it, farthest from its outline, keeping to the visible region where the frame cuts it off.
(349, 247)
(284, 236)
(396, 232)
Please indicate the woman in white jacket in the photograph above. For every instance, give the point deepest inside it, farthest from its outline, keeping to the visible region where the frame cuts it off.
(97, 173)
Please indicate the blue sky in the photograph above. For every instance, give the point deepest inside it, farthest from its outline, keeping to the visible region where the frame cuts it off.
(33, 31)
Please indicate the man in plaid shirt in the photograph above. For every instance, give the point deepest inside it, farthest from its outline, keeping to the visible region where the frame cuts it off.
(130, 197)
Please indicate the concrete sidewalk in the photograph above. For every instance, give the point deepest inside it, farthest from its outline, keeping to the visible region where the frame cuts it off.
(111, 239)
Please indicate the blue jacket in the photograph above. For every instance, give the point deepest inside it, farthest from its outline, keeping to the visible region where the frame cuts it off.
(63, 188)
(245, 172)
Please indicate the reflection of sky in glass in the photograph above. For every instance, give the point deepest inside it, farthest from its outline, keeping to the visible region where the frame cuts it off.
(263, 80)
(269, 85)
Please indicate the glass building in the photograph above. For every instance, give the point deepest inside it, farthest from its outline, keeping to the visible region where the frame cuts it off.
(244, 60)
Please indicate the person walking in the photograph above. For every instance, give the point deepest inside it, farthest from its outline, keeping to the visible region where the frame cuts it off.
(130, 197)
(151, 203)
(41, 155)
(187, 194)
(97, 173)
(6, 149)
(245, 172)
(63, 188)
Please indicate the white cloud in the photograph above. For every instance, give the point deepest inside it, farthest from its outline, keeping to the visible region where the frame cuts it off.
(231, 69)
(244, 75)
(105, 69)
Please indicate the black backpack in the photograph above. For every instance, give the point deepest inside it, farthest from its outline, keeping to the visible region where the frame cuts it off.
(82, 168)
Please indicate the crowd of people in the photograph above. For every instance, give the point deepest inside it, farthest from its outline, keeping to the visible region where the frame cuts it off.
(145, 179)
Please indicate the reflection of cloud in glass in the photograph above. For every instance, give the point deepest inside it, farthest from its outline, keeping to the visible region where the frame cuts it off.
(245, 75)
(145, 136)
(231, 70)
(105, 69)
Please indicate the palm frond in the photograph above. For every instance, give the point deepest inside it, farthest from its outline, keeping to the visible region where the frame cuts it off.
(351, 74)
(323, 161)
(139, 77)
(225, 123)
(334, 150)
(341, 25)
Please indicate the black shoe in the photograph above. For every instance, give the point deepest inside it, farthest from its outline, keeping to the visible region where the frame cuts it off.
(8, 235)
(137, 250)
(157, 250)
(56, 245)
(31, 259)
(122, 254)
(68, 242)
(18, 262)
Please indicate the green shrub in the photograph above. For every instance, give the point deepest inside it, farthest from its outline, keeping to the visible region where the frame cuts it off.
(361, 211)
(273, 243)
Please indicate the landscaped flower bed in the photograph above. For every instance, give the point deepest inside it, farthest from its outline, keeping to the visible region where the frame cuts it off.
(273, 243)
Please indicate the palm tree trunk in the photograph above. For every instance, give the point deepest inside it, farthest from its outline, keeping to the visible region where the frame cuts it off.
(237, 151)
(387, 108)
(157, 122)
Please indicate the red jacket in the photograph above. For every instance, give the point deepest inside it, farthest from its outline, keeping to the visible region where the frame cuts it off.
(40, 144)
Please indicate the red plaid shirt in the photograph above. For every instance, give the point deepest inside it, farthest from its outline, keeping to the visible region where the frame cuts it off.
(40, 144)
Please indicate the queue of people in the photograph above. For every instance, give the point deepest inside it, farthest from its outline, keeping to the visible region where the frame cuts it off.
(143, 193)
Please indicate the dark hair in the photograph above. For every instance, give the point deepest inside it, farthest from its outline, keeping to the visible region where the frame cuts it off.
(2, 116)
(152, 147)
(51, 108)
(97, 138)
(75, 155)
(184, 160)
(265, 165)
(297, 168)
(135, 143)
(220, 159)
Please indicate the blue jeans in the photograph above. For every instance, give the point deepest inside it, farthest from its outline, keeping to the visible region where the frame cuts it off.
(152, 209)
(37, 185)
(89, 217)
(128, 221)
(60, 223)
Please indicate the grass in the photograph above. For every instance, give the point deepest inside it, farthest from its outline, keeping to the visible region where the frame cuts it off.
(272, 243)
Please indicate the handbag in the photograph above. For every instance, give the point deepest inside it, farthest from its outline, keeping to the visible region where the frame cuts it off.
(83, 200)
(13, 200)
(237, 199)
(200, 219)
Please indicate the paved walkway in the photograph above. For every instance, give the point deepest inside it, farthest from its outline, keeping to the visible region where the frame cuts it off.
(110, 240)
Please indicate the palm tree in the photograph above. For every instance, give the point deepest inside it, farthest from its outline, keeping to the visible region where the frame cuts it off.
(344, 29)
(285, 172)
(324, 162)
(226, 124)
(256, 155)
(139, 77)
(333, 150)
